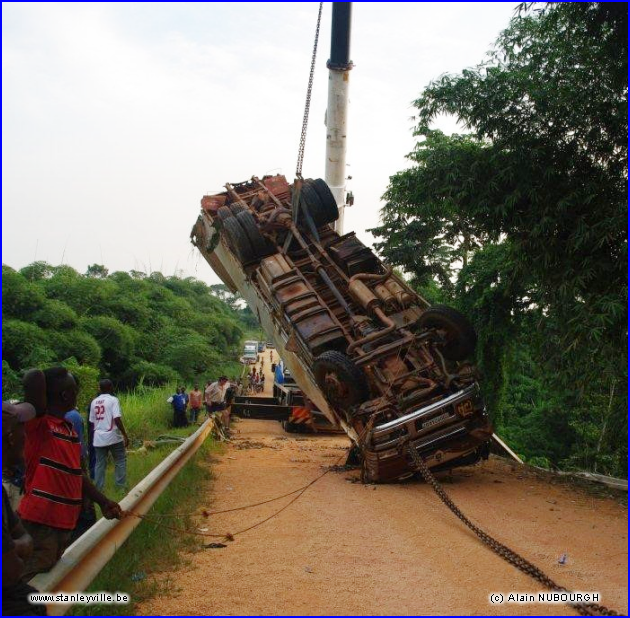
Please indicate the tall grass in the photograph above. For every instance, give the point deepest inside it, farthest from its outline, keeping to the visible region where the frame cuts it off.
(147, 414)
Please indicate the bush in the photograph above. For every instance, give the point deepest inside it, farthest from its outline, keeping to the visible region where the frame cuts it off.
(87, 378)
(20, 298)
(25, 345)
(11, 383)
(152, 374)
(56, 315)
(78, 344)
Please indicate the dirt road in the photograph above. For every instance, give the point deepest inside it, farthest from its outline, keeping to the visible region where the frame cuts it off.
(351, 549)
(346, 548)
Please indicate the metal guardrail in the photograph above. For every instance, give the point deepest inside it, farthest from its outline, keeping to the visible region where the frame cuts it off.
(85, 558)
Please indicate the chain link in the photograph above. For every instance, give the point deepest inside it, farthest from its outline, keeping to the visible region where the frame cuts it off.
(584, 609)
(298, 169)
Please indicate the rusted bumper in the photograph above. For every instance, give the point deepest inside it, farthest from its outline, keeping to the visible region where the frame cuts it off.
(445, 433)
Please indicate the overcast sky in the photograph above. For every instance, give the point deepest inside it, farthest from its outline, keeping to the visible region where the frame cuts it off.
(117, 118)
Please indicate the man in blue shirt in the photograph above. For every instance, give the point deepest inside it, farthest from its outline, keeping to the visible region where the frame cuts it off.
(178, 401)
(87, 517)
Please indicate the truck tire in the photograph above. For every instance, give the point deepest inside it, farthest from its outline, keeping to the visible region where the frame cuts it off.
(341, 381)
(235, 208)
(260, 245)
(329, 212)
(238, 240)
(461, 337)
(289, 427)
(224, 213)
(323, 210)
(310, 202)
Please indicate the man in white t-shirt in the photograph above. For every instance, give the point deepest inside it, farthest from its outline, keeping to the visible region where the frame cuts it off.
(215, 400)
(109, 435)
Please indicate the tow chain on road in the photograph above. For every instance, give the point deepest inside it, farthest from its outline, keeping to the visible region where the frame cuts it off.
(585, 609)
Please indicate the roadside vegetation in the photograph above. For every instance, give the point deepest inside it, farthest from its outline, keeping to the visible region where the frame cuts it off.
(521, 224)
(134, 328)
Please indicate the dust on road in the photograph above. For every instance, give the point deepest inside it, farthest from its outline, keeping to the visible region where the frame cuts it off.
(351, 549)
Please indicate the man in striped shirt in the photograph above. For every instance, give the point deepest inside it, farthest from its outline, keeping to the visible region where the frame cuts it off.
(54, 481)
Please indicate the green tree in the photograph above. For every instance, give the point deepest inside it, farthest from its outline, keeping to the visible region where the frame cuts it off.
(25, 345)
(189, 354)
(116, 340)
(128, 326)
(55, 314)
(522, 224)
(97, 270)
(76, 344)
(151, 374)
(20, 297)
(37, 271)
(11, 383)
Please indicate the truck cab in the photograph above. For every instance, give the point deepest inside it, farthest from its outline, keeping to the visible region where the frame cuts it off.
(250, 353)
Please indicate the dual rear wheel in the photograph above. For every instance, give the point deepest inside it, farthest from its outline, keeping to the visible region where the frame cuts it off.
(243, 235)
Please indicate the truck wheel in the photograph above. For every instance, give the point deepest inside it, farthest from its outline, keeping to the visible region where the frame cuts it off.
(224, 213)
(460, 335)
(235, 208)
(238, 240)
(329, 212)
(260, 245)
(289, 427)
(341, 381)
(310, 202)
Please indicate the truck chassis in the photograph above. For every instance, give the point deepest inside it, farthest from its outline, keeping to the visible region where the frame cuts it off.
(363, 346)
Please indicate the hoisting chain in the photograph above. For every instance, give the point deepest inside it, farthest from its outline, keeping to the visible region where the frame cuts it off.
(298, 169)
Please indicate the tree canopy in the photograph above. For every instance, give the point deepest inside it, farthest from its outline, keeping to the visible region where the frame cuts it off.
(522, 223)
(128, 326)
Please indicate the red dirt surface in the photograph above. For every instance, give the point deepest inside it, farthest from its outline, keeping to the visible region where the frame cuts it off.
(349, 549)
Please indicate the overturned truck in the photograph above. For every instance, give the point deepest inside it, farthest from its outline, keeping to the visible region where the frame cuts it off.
(372, 354)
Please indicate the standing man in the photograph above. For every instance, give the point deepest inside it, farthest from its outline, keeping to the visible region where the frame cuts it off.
(109, 435)
(17, 544)
(178, 401)
(54, 482)
(196, 397)
(206, 397)
(87, 518)
(215, 397)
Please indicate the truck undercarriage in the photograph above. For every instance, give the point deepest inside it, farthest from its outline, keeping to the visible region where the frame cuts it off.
(370, 352)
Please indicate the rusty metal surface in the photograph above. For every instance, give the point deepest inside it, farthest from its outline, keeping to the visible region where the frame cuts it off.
(318, 292)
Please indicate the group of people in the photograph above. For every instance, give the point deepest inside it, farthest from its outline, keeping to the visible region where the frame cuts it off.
(255, 381)
(43, 436)
(215, 398)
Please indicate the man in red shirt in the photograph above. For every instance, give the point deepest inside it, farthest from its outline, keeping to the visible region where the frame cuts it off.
(54, 481)
(196, 397)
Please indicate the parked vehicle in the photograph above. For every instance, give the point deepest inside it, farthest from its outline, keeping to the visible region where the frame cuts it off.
(374, 356)
(250, 353)
(304, 417)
